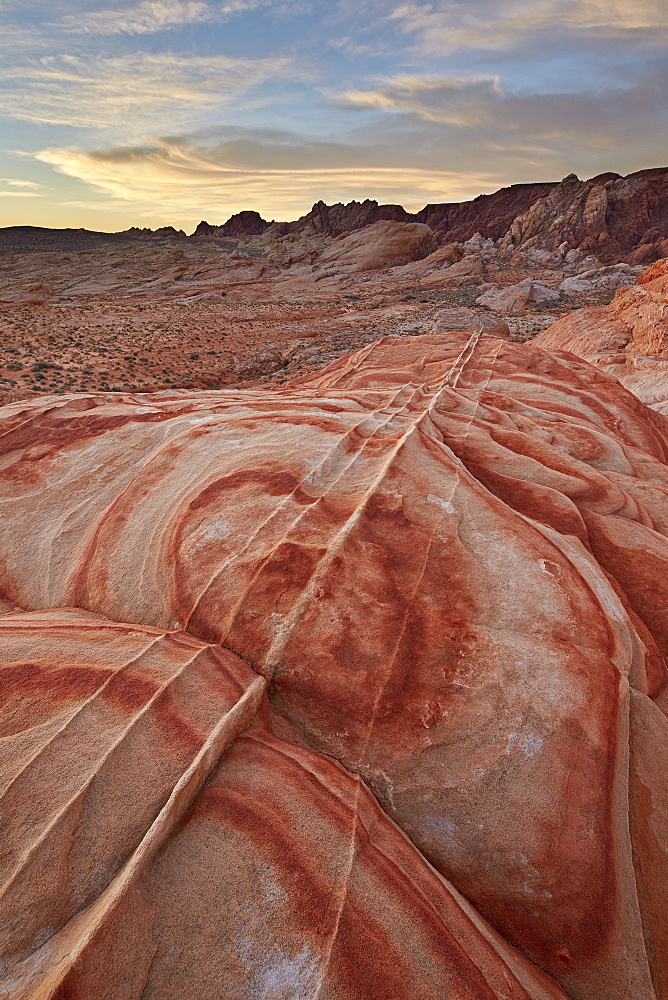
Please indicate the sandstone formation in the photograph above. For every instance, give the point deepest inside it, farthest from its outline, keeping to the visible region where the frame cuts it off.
(279, 878)
(488, 214)
(593, 333)
(381, 245)
(473, 320)
(609, 216)
(242, 224)
(339, 219)
(462, 272)
(630, 335)
(513, 298)
(350, 688)
(614, 276)
(148, 270)
(645, 310)
(143, 311)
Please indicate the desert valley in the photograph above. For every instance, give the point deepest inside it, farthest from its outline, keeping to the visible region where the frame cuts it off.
(334, 603)
(248, 302)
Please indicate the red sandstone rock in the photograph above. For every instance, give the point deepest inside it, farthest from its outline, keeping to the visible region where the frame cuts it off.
(450, 253)
(631, 331)
(339, 219)
(644, 308)
(447, 557)
(463, 272)
(609, 216)
(649, 384)
(280, 877)
(382, 245)
(436, 266)
(588, 332)
(514, 298)
(488, 214)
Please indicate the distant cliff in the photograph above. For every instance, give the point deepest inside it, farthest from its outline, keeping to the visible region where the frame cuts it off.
(609, 215)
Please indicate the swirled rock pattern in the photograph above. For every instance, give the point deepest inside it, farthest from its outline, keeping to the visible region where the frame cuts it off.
(444, 558)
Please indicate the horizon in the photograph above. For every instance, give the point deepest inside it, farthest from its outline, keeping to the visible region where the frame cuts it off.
(165, 112)
(271, 220)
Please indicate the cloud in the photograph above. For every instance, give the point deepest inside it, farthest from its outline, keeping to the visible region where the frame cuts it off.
(154, 15)
(434, 138)
(480, 114)
(274, 173)
(444, 27)
(465, 96)
(162, 89)
(12, 182)
(19, 188)
(449, 100)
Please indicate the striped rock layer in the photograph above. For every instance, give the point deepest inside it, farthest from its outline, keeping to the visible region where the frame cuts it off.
(352, 688)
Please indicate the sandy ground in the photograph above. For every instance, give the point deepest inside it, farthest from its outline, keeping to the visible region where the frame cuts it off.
(130, 319)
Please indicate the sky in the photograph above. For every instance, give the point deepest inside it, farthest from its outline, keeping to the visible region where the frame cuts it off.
(165, 112)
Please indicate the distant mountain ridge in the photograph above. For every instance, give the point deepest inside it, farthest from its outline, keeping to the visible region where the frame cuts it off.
(609, 216)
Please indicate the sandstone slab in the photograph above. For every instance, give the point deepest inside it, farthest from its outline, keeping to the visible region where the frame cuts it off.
(514, 298)
(178, 847)
(381, 245)
(631, 331)
(471, 319)
(446, 557)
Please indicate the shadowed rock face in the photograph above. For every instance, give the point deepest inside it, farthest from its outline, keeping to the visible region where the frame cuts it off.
(489, 214)
(608, 215)
(335, 220)
(241, 224)
(444, 561)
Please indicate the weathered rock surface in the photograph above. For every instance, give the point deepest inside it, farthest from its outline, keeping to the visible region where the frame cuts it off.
(381, 245)
(591, 333)
(280, 877)
(609, 216)
(630, 334)
(445, 557)
(170, 269)
(644, 308)
(491, 215)
(340, 219)
(514, 298)
(462, 272)
(471, 319)
(614, 276)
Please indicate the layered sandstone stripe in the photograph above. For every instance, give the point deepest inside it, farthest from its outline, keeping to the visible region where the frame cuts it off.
(446, 555)
(161, 841)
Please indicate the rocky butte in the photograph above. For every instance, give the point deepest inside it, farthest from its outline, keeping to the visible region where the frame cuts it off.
(352, 684)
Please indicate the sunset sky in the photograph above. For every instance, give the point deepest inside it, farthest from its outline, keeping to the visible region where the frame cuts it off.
(169, 111)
